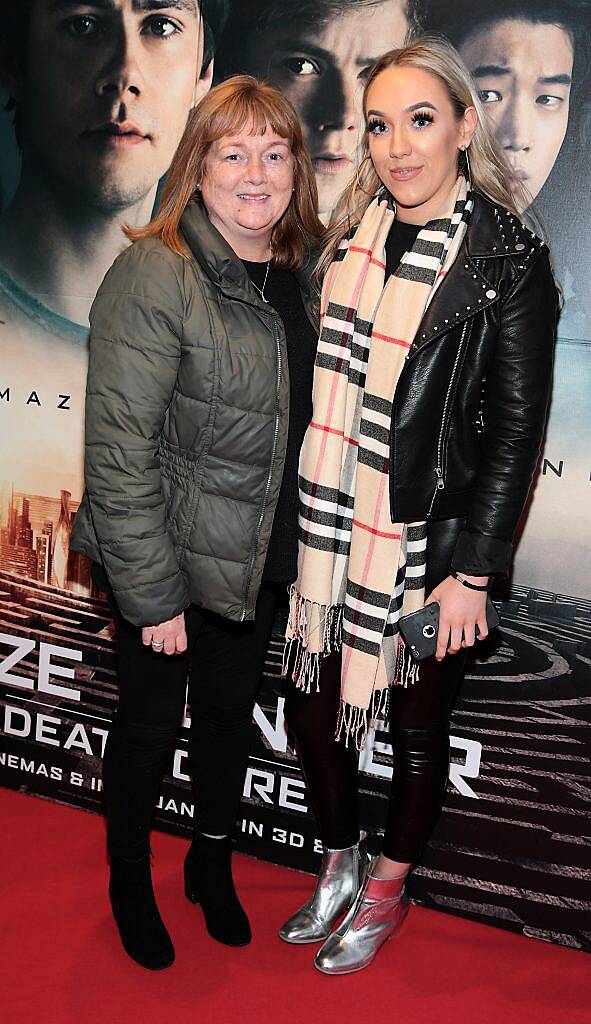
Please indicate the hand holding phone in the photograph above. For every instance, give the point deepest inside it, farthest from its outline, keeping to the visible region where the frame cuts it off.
(419, 629)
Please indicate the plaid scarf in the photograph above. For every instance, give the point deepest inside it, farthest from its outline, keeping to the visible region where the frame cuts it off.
(357, 571)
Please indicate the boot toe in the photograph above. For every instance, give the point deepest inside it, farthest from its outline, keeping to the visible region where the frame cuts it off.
(232, 929)
(156, 958)
(303, 927)
(336, 957)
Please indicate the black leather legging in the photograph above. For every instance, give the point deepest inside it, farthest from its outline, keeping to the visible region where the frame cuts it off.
(419, 724)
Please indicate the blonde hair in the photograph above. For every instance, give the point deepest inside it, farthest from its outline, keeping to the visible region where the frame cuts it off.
(490, 172)
(240, 103)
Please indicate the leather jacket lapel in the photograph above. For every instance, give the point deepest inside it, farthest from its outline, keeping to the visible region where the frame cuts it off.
(468, 287)
(464, 291)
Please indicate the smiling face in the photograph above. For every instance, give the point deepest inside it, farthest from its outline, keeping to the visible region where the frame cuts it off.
(523, 71)
(106, 131)
(247, 187)
(414, 136)
(322, 70)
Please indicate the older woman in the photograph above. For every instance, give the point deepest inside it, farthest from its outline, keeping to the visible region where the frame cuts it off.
(191, 475)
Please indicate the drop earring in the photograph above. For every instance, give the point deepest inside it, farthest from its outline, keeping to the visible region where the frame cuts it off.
(466, 168)
(359, 169)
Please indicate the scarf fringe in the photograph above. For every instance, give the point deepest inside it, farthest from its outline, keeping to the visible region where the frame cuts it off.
(330, 619)
(353, 722)
(306, 666)
(407, 668)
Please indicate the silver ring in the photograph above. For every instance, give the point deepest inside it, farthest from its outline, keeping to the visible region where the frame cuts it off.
(157, 646)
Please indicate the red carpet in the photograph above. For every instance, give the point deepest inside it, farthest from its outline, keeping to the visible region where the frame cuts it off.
(62, 963)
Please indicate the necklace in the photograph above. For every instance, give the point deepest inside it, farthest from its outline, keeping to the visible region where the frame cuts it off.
(261, 291)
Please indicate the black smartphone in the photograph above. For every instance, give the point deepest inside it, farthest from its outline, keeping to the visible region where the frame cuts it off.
(419, 629)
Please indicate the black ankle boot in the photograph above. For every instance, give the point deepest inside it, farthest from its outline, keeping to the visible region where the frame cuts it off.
(141, 928)
(208, 881)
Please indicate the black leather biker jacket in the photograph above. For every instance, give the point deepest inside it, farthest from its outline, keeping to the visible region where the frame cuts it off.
(471, 402)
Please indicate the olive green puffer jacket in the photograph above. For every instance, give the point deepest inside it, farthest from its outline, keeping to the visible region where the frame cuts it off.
(186, 426)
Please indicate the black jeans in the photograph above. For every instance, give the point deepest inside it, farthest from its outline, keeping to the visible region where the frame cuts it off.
(419, 725)
(223, 666)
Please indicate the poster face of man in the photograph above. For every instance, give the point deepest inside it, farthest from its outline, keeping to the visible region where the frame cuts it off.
(108, 128)
(321, 66)
(524, 73)
(94, 141)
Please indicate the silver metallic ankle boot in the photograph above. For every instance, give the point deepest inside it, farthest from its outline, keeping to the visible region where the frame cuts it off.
(377, 914)
(341, 875)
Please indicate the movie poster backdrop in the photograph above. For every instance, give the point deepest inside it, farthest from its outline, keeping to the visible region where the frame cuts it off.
(513, 845)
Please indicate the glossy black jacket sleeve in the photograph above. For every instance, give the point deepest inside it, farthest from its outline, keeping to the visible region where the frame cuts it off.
(516, 403)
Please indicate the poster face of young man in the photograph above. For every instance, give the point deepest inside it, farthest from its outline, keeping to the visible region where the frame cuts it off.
(318, 55)
(530, 60)
(103, 92)
(524, 73)
(106, 130)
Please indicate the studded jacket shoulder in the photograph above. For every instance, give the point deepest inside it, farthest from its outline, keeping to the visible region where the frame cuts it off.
(471, 402)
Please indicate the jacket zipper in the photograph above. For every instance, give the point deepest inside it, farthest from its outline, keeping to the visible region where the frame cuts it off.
(270, 474)
(440, 485)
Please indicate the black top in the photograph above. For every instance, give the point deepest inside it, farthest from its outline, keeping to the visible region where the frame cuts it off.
(283, 293)
(401, 239)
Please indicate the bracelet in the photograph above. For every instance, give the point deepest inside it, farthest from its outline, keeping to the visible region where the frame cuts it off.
(470, 586)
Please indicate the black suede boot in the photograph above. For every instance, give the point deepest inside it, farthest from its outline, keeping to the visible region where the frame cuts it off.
(208, 881)
(142, 930)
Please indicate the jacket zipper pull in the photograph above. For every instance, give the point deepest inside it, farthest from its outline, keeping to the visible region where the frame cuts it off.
(440, 481)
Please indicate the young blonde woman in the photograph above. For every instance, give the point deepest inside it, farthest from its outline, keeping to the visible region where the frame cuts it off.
(202, 344)
(431, 386)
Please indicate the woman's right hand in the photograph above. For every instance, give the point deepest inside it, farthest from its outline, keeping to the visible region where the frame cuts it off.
(167, 638)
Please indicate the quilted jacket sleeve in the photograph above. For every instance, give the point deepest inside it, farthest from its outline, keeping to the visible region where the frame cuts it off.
(135, 348)
(516, 402)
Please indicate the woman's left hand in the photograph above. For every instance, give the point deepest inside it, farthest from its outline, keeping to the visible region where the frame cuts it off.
(461, 610)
